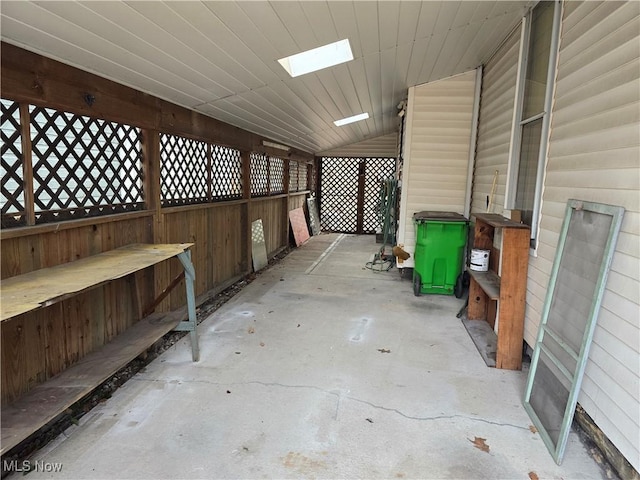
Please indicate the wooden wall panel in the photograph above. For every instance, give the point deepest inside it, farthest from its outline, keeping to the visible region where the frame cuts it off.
(297, 201)
(271, 211)
(227, 237)
(40, 344)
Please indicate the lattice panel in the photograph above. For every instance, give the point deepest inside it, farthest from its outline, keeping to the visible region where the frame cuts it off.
(183, 171)
(276, 175)
(83, 166)
(377, 170)
(259, 175)
(226, 174)
(293, 176)
(302, 176)
(11, 166)
(339, 190)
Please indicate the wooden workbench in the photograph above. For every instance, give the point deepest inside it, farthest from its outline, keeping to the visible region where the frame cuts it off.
(44, 287)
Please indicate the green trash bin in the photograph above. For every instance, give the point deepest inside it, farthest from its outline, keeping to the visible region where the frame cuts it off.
(440, 242)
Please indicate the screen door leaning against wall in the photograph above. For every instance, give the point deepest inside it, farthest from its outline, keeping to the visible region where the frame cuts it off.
(578, 278)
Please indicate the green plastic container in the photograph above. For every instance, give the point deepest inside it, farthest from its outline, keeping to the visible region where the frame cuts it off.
(440, 244)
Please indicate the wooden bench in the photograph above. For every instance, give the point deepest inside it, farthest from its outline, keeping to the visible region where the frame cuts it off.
(44, 287)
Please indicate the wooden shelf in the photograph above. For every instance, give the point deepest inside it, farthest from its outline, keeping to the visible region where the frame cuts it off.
(48, 400)
(503, 296)
(489, 282)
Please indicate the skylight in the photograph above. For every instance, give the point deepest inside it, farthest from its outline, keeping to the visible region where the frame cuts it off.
(317, 58)
(355, 118)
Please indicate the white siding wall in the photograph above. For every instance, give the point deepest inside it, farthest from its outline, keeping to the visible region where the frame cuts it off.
(384, 146)
(594, 155)
(436, 151)
(494, 129)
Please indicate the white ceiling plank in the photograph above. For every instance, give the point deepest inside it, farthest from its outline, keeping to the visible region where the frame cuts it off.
(126, 43)
(429, 13)
(387, 78)
(194, 49)
(344, 20)
(237, 21)
(418, 54)
(211, 27)
(264, 17)
(250, 121)
(451, 59)
(295, 21)
(446, 16)
(345, 81)
(252, 103)
(465, 13)
(372, 69)
(388, 24)
(319, 17)
(359, 79)
(483, 11)
(139, 36)
(199, 34)
(430, 58)
(368, 26)
(318, 102)
(408, 22)
(468, 57)
(298, 103)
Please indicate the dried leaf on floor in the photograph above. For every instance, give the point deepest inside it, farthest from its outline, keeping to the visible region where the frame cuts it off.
(533, 475)
(480, 444)
(384, 350)
(533, 429)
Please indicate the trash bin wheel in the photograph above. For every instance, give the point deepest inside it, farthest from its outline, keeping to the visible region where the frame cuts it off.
(458, 289)
(417, 284)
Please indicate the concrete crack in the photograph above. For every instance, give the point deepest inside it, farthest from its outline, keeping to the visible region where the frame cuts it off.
(340, 397)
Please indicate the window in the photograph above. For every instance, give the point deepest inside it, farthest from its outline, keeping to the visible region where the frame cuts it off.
(531, 127)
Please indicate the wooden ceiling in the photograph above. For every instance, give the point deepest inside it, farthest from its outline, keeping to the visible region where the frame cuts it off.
(220, 57)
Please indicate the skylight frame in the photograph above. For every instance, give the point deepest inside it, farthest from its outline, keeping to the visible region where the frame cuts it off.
(351, 119)
(319, 58)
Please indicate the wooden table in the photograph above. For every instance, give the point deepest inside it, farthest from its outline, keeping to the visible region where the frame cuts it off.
(44, 287)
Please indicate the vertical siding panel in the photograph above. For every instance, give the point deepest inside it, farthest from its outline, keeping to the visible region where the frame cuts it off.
(494, 129)
(436, 151)
(593, 155)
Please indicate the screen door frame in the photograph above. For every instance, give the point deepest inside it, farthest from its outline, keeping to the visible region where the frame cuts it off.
(581, 357)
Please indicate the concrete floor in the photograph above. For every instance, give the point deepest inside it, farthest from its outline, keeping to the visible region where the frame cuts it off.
(292, 384)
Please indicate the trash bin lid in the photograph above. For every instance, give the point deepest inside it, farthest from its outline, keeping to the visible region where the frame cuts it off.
(438, 216)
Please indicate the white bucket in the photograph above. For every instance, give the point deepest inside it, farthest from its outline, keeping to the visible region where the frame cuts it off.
(479, 260)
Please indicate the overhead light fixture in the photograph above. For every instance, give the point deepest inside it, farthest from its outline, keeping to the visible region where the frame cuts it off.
(279, 146)
(317, 58)
(355, 118)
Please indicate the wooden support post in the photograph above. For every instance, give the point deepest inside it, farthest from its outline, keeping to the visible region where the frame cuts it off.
(515, 261)
(246, 210)
(362, 168)
(27, 165)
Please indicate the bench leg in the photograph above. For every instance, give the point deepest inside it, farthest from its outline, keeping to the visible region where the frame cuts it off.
(190, 325)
